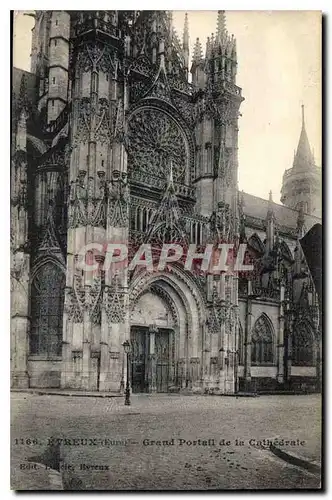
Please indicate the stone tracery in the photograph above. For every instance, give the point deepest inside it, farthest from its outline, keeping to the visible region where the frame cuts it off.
(155, 140)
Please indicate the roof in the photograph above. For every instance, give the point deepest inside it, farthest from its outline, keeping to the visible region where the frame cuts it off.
(253, 206)
(304, 159)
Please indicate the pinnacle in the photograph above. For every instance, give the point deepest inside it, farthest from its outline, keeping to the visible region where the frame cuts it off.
(186, 32)
(198, 53)
(303, 159)
(208, 48)
(186, 21)
(221, 25)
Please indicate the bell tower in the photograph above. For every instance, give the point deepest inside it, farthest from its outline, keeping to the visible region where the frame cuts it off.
(218, 100)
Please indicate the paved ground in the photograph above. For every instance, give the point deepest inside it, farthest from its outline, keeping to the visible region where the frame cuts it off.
(105, 433)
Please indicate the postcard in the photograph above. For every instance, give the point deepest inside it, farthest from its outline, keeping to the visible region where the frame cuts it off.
(166, 222)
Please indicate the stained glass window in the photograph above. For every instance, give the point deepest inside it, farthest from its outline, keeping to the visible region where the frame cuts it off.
(47, 298)
(262, 342)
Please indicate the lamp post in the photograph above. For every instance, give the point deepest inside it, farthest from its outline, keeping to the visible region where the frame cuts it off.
(126, 346)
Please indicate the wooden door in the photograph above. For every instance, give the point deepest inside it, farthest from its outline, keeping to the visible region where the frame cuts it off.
(164, 350)
(138, 359)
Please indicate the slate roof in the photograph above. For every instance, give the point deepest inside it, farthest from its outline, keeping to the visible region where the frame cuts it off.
(253, 206)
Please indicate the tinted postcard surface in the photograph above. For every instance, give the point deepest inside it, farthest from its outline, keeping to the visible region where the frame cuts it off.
(166, 213)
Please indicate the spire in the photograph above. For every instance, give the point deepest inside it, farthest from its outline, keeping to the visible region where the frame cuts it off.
(186, 33)
(270, 211)
(185, 44)
(208, 48)
(270, 197)
(303, 158)
(221, 26)
(198, 53)
(197, 65)
(212, 41)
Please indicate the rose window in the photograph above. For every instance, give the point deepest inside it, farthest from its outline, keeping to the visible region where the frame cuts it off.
(156, 142)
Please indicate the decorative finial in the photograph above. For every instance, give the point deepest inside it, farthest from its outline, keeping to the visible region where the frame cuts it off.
(270, 196)
(302, 106)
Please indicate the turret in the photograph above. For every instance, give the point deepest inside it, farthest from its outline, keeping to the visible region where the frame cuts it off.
(221, 58)
(58, 64)
(50, 59)
(40, 52)
(217, 130)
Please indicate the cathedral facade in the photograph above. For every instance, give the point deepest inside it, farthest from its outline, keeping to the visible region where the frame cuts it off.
(118, 139)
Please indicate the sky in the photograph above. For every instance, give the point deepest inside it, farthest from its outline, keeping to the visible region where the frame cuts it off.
(279, 69)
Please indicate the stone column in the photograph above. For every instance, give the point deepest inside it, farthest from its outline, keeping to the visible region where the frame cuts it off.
(222, 346)
(288, 354)
(182, 355)
(231, 327)
(247, 340)
(152, 360)
(280, 340)
(20, 264)
(172, 358)
(195, 374)
(205, 371)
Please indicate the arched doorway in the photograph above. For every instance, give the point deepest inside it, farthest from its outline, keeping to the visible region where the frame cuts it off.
(152, 334)
(166, 332)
